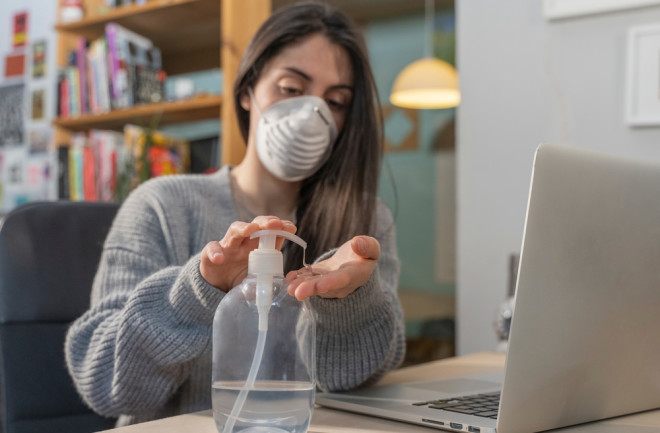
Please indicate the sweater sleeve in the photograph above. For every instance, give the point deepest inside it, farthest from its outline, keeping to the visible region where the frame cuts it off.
(361, 337)
(150, 317)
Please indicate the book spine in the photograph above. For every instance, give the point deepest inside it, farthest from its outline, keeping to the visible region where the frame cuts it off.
(104, 81)
(81, 59)
(95, 65)
(89, 173)
(73, 194)
(91, 80)
(79, 174)
(74, 92)
(76, 166)
(63, 183)
(113, 61)
(64, 101)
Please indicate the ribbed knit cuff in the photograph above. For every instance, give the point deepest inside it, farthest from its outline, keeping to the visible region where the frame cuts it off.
(205, 297)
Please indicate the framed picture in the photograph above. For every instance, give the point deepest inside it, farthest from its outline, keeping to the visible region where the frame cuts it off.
(39, 59)
(11, 114)
(643, 76)
(38, 96)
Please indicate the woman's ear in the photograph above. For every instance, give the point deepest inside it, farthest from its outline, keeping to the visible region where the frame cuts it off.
(245, 101)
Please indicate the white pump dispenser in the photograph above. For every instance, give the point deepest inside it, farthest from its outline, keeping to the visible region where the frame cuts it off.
(266, 262)
(292, 335)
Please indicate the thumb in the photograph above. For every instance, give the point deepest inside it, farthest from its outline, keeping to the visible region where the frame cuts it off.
(366, 247)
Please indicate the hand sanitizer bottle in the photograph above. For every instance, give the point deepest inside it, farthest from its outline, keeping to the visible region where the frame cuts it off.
(264, 343)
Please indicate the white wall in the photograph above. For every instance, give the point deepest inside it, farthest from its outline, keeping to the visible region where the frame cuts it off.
(38, 178)
(526, 80)
(41, 26)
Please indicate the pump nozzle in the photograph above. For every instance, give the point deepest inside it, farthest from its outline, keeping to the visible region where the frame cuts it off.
(267, 238)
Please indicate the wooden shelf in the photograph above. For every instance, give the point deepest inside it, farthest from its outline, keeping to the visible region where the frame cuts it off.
(186, 31)
(189, 110)
(192, 35)
(364, 11)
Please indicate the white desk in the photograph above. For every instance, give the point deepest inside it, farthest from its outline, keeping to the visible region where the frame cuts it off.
(326, 420)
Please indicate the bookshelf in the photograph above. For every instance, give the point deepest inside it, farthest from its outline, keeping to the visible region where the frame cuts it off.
(188, 110)
(193, 35)
(186, 31)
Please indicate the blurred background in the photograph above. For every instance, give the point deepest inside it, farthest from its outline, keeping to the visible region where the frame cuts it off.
(576, 72)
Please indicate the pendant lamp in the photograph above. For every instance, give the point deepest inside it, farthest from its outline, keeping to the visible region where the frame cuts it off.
(429, 82)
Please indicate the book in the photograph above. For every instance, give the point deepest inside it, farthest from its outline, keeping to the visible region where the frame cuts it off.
(89, 162)
(74, 91)
(107, 145)
(63, 90)
(100, 58)
(135, 64)
(81, 64)
(63, 182)
(76, 167)
(118, 70)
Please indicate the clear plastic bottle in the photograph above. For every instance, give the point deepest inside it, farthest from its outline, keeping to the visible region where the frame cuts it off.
(263, 350)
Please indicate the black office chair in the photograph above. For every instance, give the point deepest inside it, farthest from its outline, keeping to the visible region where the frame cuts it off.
(49, 252)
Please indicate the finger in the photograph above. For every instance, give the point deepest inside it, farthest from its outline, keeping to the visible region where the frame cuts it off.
(366, 247)
(291, 288)
(287, 226)
(300, 278)
(305, 289)
(332, 285)
(268, 222)
(332, 282)
(291, 276)
(214, 253)
(235, 234)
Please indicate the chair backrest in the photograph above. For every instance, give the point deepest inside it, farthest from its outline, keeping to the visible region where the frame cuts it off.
(49, 252)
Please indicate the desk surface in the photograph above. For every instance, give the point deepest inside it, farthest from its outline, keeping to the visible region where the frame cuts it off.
(326, 420)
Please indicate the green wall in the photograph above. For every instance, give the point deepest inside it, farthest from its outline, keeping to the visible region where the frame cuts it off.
(392, 45)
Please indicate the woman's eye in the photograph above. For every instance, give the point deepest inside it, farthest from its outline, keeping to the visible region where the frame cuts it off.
(290, 91)
(335, 105)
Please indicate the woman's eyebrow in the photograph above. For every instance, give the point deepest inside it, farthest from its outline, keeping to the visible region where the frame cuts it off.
(307, 77)
(298, 72)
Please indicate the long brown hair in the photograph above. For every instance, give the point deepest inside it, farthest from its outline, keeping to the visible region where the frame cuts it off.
(339, 200)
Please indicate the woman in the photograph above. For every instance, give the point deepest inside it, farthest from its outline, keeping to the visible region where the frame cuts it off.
(142, 351)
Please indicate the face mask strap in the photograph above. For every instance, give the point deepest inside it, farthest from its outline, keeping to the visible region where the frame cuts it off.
(254, 102)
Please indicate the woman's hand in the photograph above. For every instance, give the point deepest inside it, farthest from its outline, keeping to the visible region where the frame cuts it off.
(224, 264)
(337, 277)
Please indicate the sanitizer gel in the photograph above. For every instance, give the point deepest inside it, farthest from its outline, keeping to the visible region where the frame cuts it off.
(263, 350)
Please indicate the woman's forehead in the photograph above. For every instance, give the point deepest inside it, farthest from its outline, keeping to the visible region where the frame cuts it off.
(317, 57)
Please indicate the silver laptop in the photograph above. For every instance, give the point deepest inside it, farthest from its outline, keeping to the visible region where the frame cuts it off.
(585, 336)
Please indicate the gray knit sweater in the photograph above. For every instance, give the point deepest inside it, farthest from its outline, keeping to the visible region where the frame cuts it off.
(143, 350)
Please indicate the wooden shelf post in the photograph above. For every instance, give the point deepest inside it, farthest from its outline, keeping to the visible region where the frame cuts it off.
(240, 20)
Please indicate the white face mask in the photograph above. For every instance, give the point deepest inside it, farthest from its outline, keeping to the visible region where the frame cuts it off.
(295, 136)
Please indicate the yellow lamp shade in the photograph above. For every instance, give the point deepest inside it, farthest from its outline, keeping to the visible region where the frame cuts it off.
(426, 83)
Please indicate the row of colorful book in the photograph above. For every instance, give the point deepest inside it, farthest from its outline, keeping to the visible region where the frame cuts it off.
(107, 165)
(119, 70)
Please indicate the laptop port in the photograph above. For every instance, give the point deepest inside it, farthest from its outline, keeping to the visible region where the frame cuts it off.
(432, 421)
(456, 425)
(474, 429)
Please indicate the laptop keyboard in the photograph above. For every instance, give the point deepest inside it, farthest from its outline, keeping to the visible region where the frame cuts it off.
(484, 405)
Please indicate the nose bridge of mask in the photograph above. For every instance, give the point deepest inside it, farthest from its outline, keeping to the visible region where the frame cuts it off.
(307, 118)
